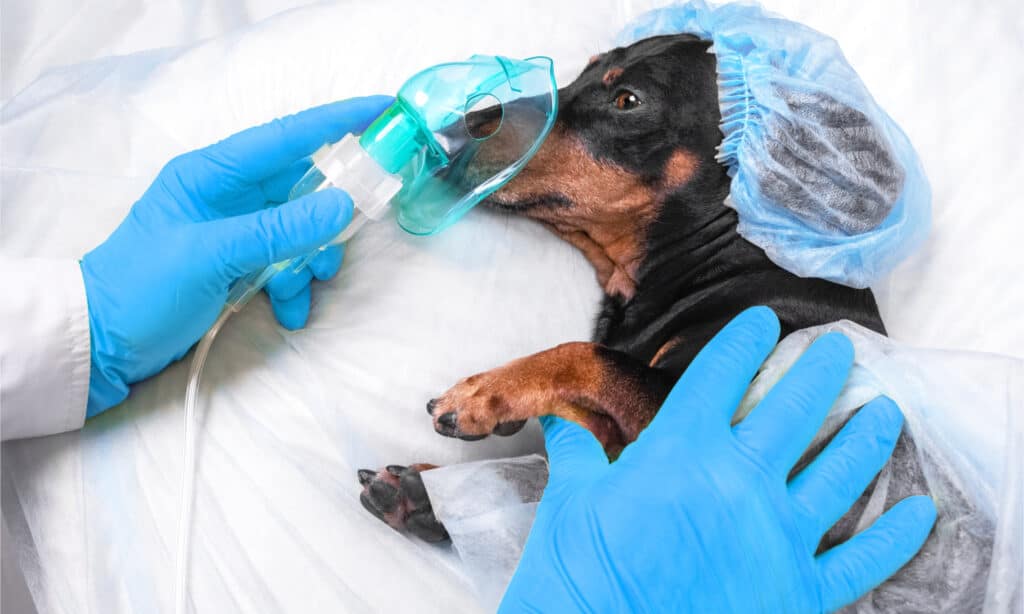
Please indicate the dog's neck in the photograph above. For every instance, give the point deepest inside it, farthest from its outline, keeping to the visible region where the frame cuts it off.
(698, 272)
(610, 221)
(695, 245)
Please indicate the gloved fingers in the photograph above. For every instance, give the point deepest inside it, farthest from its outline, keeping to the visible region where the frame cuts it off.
(271, 191)
(293, 312)
(288, 283)
(826, 488)
(573, 452)
(851, 569)
(247, 243)
(224, 169)
(782, 425)
(710, 390)
(325, 264)
(275, 189)
(290, 290)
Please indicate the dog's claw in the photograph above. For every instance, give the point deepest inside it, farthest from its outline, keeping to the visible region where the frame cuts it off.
(447, 425)
(504, 429)
(397, 496)
(431, 404)
(384, 496)
(370, 507)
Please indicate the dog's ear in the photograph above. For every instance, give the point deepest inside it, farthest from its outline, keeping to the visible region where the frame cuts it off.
(829, 164)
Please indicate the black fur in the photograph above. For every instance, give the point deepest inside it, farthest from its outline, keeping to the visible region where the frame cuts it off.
(699, 272)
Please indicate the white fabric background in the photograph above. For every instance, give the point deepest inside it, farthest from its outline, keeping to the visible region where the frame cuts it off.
(98, 95)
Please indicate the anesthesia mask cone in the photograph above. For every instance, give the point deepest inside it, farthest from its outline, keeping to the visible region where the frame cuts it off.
(455, 133)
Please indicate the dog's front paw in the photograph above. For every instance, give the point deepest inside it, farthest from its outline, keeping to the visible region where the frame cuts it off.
(479, 406)
(396, 495)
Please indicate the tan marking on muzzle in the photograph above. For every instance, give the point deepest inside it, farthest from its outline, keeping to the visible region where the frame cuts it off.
(610, 210)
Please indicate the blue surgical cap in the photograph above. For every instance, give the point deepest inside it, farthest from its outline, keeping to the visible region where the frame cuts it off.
(822, 179)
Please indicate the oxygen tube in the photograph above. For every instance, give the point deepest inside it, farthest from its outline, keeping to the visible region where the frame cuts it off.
(455, 133)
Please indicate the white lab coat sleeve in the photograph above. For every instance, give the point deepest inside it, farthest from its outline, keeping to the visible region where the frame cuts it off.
(44, 347)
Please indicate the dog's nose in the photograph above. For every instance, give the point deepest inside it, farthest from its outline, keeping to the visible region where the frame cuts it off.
(447, 420)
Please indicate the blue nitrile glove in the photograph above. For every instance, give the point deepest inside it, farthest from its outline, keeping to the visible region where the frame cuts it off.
(160, 280)
(697, 516)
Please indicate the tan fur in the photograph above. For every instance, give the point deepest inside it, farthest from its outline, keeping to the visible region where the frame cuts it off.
(610, 76)
(610, 210)
(570, 380)
(665, 349)
(679, 169)
(607, 218)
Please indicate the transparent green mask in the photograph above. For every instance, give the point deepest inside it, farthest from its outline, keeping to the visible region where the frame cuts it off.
(459, 131)
(455, 133)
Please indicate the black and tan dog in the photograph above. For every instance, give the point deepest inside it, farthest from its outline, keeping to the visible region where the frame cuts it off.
(629, 176)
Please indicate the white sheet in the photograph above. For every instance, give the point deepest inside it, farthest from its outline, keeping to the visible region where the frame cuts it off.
(406, 317)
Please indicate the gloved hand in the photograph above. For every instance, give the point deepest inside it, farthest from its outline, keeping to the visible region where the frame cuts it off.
(697, 516)
(160, 280)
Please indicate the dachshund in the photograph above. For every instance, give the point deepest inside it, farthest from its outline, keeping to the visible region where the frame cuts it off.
(629, 176)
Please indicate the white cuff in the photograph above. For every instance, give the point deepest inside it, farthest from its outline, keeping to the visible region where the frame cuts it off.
(44, 348)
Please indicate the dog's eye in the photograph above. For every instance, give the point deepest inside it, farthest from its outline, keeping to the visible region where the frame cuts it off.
(626, 100)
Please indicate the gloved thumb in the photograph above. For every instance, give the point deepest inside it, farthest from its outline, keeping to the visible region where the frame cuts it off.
(251, 242)
(574, 454)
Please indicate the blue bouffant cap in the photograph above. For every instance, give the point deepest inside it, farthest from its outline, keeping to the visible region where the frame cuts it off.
(822, 179)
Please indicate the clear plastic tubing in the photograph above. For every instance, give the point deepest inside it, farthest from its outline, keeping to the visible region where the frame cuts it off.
(243, 291)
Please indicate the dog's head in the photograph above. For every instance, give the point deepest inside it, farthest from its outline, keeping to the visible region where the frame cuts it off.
(638, 125)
